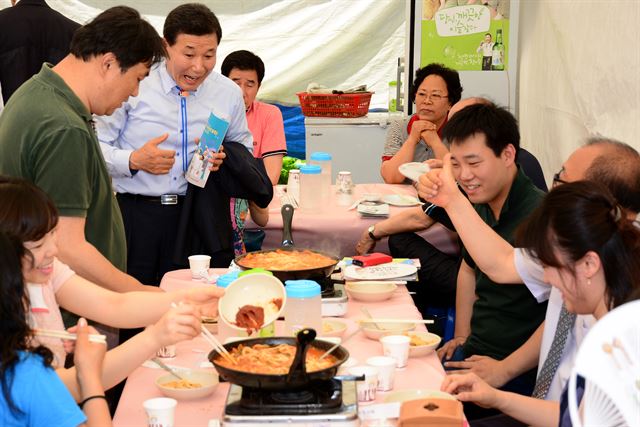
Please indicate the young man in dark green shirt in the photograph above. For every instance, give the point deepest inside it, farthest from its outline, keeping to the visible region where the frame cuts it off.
(491, 320)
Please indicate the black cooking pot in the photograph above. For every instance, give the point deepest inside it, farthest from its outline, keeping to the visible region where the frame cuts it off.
(297, 378)
(319, 273)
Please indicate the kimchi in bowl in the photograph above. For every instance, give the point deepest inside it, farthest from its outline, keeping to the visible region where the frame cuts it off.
(252, 302)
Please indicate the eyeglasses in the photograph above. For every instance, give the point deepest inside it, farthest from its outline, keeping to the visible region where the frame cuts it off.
(557, 180)
(435, 97)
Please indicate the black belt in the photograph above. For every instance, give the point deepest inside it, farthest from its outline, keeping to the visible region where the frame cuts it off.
(165, 199)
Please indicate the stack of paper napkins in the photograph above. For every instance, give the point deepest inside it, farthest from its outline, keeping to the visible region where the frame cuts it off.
(373, 209)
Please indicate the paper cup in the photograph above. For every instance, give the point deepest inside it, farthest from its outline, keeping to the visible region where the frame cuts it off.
(386, 371)
(199, 265)
(396, 346)
(160, 411)
(366, 389)
(350, 363)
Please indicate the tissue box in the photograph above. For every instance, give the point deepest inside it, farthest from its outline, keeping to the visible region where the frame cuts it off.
(431, 412)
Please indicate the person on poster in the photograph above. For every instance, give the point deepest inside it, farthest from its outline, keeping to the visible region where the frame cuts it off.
(486, 47)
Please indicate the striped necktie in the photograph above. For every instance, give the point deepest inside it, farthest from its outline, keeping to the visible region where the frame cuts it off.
(551, 363)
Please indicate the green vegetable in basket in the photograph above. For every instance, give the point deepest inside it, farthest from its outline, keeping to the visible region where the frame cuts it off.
(288, 163)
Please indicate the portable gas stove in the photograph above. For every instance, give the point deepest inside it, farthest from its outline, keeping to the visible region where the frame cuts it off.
(323, 403)
(334, 298)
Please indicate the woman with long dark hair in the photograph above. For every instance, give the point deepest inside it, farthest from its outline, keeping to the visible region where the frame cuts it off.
(32, 394)
(29, 213)
(591, 253)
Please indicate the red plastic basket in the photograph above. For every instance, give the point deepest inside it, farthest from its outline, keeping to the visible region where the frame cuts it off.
(329, 105)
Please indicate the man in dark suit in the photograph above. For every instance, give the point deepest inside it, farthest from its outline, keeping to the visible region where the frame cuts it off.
(32, 33)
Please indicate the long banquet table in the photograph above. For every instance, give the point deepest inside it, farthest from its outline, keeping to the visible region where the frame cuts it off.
(421, 373)
(336, 229)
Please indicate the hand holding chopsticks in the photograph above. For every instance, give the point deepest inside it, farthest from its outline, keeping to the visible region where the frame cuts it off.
(51, 333)
(219, 348)
(211, 339)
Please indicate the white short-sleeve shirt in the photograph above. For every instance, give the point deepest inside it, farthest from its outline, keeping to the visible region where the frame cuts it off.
(531, 273)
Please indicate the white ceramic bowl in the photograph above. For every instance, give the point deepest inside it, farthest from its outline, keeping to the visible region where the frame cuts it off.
(208, 380)
(422, 343)
(332, 328)
(253, 289)
(369, 292)
(385, 328)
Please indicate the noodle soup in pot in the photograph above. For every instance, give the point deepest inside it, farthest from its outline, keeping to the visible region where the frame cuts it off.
(273, 359)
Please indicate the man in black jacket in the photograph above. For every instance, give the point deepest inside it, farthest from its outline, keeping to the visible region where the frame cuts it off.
(32, 33)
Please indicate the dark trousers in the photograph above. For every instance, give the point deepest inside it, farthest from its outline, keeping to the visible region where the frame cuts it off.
(151, 236)
(522, 384)
(150, 230)
(437, 274)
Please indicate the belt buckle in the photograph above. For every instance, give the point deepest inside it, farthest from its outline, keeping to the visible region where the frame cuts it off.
(169, 199)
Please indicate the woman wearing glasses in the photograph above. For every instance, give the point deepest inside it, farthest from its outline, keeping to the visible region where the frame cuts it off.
(435, 89)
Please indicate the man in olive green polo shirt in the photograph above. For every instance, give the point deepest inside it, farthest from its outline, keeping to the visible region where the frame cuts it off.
(47, 137)
(491, 320)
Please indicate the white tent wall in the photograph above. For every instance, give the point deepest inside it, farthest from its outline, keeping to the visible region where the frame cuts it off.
(579, 75)
(337, 43)
(579, 70)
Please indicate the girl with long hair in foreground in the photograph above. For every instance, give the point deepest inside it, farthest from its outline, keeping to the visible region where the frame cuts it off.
(32, 394)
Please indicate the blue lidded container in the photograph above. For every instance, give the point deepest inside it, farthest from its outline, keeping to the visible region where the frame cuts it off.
(226, 279)
(304, 306)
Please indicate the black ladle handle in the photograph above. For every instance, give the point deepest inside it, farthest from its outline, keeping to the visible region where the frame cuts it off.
(298, 367)
(287, 219)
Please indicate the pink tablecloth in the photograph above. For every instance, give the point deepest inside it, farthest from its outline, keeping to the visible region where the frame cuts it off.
(336, 230)
(424, 372)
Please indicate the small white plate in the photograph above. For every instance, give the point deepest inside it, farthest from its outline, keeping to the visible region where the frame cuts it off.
(380, 272)
(413, 170)
(400, 200)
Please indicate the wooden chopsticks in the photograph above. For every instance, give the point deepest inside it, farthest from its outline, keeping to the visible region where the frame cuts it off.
(52, 333)
(219, 348)
(211, 339)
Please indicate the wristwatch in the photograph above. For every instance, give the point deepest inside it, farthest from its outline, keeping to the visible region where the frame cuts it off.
(373, 236)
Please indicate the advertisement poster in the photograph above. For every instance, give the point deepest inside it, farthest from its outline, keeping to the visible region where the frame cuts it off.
(466, 35)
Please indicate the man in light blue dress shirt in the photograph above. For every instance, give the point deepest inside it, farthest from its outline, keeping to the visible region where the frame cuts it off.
(148, 142)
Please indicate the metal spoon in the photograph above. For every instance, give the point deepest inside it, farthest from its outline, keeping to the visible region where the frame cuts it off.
(328, 352)
(166, 368)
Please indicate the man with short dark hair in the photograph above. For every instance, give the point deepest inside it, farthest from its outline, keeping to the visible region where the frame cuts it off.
(609, 162)
(265, 120)
(47, 137)
(149, 142)
(491, 320)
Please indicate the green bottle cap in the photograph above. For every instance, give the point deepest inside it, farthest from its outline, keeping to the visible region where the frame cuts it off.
(255, 271)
